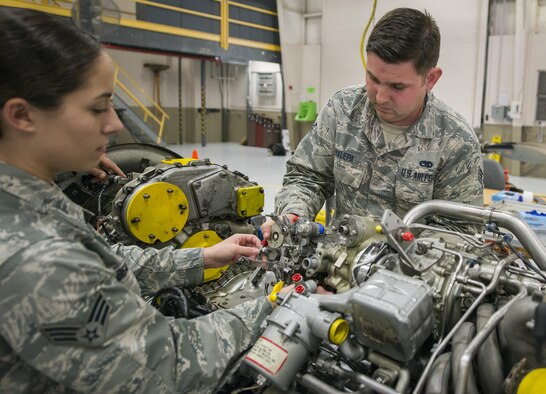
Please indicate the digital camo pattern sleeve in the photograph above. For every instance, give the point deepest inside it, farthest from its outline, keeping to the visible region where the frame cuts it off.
(461, 177)
(158, 268)
(67, 323)
(309, 179)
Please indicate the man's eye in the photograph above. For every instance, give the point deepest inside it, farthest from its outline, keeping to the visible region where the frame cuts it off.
(100, 110)
(398, 87)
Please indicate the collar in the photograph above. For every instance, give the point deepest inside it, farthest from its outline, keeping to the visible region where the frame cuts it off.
(425, 124)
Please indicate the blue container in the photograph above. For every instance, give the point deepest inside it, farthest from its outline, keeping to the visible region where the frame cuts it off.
(535, 219)
(507, 195)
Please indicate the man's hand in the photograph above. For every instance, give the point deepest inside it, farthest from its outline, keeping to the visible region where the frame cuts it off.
(231, 250)
(100, 172)
(266, 227)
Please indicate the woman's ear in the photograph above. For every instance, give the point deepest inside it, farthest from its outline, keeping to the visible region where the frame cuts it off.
(17, 113)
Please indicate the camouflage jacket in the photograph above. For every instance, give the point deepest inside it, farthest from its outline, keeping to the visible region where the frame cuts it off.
(71, 314)
(438, 157)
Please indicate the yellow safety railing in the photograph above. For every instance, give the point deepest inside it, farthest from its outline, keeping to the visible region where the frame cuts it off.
(122, 80)
(63, 8)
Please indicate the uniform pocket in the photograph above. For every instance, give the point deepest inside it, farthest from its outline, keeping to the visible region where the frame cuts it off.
(348, 174)
(415, 179)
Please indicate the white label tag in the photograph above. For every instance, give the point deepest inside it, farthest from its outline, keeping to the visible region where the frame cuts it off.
(267, 355)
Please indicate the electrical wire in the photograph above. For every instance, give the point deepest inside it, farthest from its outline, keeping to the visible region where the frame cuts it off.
(507, 240)
(364, 34)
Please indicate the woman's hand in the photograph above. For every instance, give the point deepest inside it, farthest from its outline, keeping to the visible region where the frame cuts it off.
(231, 250)
(100, 172)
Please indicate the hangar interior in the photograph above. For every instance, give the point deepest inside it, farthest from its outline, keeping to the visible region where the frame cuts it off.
(216, 95)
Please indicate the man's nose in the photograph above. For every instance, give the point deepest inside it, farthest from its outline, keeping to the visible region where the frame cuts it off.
(382, 95)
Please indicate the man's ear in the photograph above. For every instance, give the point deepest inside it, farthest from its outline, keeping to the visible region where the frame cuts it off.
(433, 75)
(19, 114)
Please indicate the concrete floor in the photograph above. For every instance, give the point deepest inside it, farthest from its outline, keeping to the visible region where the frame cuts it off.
(268, 170)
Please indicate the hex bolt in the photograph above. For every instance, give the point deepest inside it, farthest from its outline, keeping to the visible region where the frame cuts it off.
(182, 207)
(205, 236)
(170, 190)
(135, 220)
(197, 184)
(146, 196)
(174, 229)
(204, 212)
(261, 190)
(243, 212)
(151, 236)
(244, 193)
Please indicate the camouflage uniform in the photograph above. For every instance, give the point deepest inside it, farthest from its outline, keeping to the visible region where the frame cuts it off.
(71, 314)
(438, 157)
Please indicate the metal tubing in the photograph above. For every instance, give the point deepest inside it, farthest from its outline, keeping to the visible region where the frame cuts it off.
(485, 290)
(373, 384)
(518, 227)
(385, 362)
(461, 339)
(316, 385)
(489, 356)
(468, 355)
(438, 382)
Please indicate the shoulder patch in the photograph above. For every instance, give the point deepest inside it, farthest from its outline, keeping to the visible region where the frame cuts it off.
(92, 333)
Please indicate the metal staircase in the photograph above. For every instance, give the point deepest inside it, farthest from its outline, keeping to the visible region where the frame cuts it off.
(143, 124)
(134, 124)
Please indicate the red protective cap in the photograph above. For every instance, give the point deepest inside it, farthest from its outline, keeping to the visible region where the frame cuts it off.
(296, 278)
(299, 289)
(408, 236)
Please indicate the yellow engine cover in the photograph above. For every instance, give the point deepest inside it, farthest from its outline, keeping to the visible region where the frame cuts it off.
(250, 201)
(204, 239)
(156, 212)
(534, 382)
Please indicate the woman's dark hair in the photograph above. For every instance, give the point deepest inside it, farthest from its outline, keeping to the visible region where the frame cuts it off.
(42, 58)
(405, 34)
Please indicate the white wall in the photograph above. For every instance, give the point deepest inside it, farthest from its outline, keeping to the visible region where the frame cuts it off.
(502, 77)
(460, 25)
(337, 44)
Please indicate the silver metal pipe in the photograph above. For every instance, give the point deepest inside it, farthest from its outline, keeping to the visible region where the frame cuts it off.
(385, 362)
(403, 380)
(316, 385)
(468, 355)
(490, 369)
(443, 343)
(461, 340)
(373, 384)
(515, 225)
